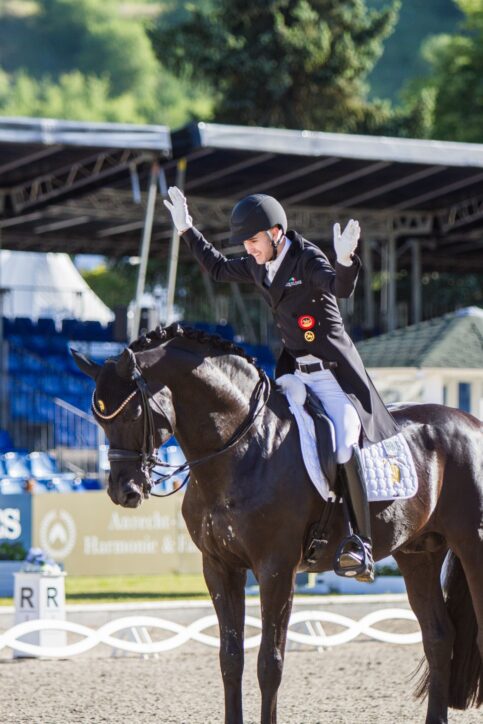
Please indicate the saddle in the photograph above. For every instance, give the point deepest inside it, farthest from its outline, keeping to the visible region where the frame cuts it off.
(323, 435)
(389, 469)
(300, 395)
(319, 532)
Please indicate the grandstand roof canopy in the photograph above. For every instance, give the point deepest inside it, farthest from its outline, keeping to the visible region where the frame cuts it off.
(69, 186)
(53, 174)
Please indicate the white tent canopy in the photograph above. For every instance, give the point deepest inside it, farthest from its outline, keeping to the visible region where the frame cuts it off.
(47, 285)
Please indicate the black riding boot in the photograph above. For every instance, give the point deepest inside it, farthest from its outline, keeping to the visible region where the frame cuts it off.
(356, 554)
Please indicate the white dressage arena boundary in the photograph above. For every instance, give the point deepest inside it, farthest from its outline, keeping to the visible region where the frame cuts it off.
(181, 634)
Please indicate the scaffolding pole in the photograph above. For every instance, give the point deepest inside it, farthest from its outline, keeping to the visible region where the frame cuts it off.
(174, 248)
(3, 360)
(146, 243)
(369, 312)
(245, 317)
(210, 293)
(416, 282)
(391, 282)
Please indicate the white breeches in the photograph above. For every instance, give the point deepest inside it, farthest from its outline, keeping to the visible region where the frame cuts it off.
(338, 407)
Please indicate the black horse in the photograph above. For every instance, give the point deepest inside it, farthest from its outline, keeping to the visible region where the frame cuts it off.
(251, 507)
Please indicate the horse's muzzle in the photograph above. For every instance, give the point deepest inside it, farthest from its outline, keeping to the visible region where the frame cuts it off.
(129, 494)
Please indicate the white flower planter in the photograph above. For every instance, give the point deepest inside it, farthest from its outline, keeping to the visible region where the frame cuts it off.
(40, 596)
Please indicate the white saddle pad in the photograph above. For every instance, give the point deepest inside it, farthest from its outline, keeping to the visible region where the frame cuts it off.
(389, 469)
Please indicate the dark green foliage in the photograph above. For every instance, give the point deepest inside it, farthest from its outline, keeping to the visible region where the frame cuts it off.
(284, 63)
(12, 551)
(402, 58)
(387, 570)
(82, 59)
(68, 35)
(454, 87)
(115, 285)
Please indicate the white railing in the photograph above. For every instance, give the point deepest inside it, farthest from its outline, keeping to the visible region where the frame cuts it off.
(311, 635)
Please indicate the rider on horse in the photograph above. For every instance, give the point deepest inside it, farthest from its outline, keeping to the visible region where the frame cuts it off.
(296, 279)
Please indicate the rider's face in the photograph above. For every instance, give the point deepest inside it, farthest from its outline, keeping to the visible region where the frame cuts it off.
(260, 246)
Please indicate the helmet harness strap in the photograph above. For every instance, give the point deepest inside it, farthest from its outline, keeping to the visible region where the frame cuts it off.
(275, 244)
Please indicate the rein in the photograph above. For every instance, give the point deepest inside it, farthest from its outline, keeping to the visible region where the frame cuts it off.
(148, 457)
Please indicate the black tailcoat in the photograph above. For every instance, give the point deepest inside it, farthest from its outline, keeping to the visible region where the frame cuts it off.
(302, 297)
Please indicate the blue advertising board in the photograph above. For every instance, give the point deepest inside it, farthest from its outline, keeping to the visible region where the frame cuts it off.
(16, 519)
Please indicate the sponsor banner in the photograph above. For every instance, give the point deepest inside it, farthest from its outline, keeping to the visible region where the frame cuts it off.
(16, 519)
(92, 536)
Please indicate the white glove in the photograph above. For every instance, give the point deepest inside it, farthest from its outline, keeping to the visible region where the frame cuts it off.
(178, 209)
(345, 243)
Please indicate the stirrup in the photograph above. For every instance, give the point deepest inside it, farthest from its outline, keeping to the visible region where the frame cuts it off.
(353, 559)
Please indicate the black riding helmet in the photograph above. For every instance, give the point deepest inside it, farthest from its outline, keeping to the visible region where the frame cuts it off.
(255, 213)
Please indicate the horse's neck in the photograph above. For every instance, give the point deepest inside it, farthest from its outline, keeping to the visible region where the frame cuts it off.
(210, 401)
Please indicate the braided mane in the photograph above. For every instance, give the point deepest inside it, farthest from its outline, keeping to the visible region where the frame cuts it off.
(165, 334)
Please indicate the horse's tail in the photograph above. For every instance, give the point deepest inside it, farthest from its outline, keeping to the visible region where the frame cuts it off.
(466, 677)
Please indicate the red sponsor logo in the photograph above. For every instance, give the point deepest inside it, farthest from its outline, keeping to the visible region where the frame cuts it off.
(306, 321)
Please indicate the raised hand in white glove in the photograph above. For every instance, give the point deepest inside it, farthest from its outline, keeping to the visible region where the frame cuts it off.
(178, 208)
(345, 243)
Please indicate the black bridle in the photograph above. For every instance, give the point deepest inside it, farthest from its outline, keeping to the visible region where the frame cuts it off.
(148, 457)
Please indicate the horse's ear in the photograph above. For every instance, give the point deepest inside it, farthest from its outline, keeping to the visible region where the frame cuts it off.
(86, 365)
(126, 364)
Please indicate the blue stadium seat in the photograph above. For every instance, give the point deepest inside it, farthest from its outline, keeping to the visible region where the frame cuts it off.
(46, 326)
(226, 331)
(92, 484)
(52, 384)
(16, 340)
(8, 326)
(16, 466)
(27, 380)
(58, 361)
(43, 409)
(72, 328)
(93, 331)
(57, 346)
(88, 331)
(24, 325)
(14, 362)
(43, 467)
(31, 363)
(38, 343)
(19, 406)
(6, 443)
(11, 486)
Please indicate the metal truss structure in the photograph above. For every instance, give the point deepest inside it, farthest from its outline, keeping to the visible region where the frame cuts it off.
(72, 178)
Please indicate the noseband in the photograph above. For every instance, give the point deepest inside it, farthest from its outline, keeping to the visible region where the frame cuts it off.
(148, 457)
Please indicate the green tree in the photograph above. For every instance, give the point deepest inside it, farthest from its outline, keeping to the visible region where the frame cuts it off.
(454, 89)
(114, 284)
(94, 38)
(72, 95)
(84, 60)
(285, 63)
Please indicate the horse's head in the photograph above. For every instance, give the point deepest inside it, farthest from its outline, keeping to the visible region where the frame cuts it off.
(130, 414)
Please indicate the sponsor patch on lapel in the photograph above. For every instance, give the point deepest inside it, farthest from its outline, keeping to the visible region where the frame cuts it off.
(306, 321)
(293, 282)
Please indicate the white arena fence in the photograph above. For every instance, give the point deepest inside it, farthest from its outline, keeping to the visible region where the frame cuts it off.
(314, 634)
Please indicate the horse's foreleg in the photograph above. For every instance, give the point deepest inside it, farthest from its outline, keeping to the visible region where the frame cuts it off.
(421, 573)
(227, 590)
(276, 593)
